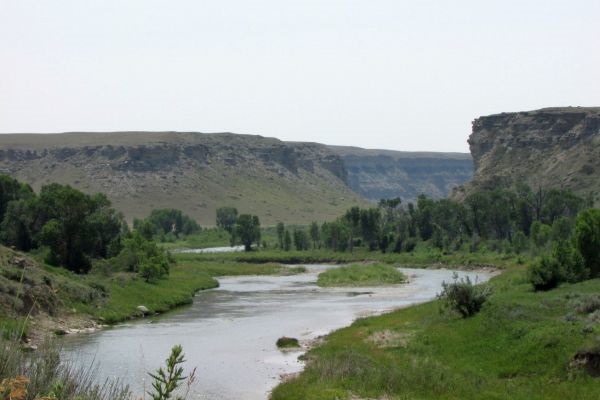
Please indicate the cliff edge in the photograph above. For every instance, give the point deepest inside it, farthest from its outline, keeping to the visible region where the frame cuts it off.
(550, 147)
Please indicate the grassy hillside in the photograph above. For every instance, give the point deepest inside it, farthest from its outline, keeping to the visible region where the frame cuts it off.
(193, 172)
(522, 345)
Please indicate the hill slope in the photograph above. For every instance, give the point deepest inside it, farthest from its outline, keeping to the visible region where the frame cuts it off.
(194, 172)
(379, 174)
(551, 147)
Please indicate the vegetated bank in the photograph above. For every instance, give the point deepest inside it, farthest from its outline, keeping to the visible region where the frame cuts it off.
(531, 333)
(356, 275)
(521, 345)
(75, 263)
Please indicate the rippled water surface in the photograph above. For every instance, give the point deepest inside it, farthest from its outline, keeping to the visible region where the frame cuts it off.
(229, 333)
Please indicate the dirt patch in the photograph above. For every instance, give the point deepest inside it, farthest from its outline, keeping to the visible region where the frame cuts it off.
(354, 397)
(588, 361)
(43, 325)
(389, 339)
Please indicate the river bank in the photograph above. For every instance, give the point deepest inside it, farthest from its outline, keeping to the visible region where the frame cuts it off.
(522, 345)
(232, 330)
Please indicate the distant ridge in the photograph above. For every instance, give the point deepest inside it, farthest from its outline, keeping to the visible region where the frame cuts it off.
(294, 182)
(378, 174)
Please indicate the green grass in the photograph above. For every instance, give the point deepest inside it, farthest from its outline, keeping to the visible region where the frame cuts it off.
(285, 342)
(111, 298)
(423, 256)
(212, 237)
(361, 275)
(127, 291)
(518, 347)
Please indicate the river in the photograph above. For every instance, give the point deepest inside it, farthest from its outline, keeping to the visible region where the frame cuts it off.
(229, 333)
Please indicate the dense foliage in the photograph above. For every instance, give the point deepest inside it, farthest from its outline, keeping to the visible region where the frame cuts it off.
(226, 217)
(75, 227)
(166, 224)
(80, 230)
(246, 230)
(512, 220)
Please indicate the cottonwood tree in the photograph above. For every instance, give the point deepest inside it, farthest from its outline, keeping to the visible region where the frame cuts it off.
(247, 230)
(226, 217)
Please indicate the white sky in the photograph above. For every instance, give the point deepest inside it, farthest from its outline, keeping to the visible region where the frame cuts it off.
(405, 75)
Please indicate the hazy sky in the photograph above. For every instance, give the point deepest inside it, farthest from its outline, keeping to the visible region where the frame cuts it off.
(406, 75)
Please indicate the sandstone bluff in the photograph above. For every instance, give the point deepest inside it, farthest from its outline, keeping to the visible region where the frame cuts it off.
(551, 147)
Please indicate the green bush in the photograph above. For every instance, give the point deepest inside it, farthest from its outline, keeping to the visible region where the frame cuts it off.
(546, 274)
(285, 342)
(463, 297)
(143, 256)
(587, 239)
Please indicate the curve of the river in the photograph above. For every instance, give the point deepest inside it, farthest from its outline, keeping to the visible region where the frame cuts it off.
(229, 333)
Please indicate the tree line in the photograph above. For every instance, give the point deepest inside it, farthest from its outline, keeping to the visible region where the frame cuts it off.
(78, 230)
(506, 219)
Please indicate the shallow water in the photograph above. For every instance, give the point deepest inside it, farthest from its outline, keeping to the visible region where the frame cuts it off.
(229, 333)
(226, 249)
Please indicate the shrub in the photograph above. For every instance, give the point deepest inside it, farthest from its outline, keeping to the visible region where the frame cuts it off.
(410, 244)
(546, 274)
(587, 239)
(463, 297)
(588, 304)
(285, 342)
(571, 261)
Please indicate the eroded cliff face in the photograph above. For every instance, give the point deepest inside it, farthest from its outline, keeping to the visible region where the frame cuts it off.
(195, 172)
(383, 174)
(551, 147)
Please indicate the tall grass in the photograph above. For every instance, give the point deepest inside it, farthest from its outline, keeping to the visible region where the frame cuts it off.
(47, 375)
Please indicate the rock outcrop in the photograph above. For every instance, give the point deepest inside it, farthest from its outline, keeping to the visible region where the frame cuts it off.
(551, 147)
(381, 174)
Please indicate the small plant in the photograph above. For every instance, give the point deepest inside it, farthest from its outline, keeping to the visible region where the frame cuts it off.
(463, 297)
(166, 382)
(285, 342)
(588, 305)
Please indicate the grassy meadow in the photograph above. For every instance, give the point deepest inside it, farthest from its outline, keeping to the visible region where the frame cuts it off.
(520, 346)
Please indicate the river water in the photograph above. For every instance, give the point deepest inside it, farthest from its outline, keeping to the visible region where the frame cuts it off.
(229, 333)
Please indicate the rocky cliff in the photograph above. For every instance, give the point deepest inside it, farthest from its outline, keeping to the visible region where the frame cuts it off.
(551, 147)
(194, 172)
(379, 174)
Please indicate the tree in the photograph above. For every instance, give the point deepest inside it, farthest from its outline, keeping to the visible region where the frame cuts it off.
(247, 230)
(280, 233)
(67, 231)
(540, 234)
(424, 217)
(75, 226)
(287, 241)
(163, 221)
(336, 235)
(300, 240)
(352, 218)
(315, 234)
(226, 217)
(369, 225)
(587, 239)
(11, 189)
(16, 227)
